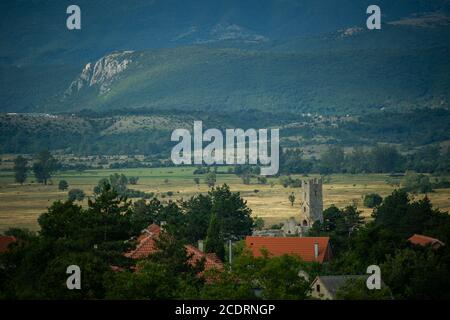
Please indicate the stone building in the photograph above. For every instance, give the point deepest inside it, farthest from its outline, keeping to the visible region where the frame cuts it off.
(311, 210)
(312, 202)
(292, 228)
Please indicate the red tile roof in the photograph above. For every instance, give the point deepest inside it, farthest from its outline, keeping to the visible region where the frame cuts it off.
(5, 241)
(422, 240)
(146, 243)
(301, 246)
(147, 246)
(211, 259)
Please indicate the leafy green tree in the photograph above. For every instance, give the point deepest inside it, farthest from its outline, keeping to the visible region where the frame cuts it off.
(418, 273)
(357, 161)
(210, 179)
(403, 217)
(112, 214)
(197, 214)
(385, 158)
(118, 182)
(369, 245)
(214, 239)
(133, 180)
(62, 220)
(53, 279)
(293, 162)
(278, 278)
(76, 195)
(292, 199)
(259, 223)
(262, 180)
(63, 185)
(339, 225)
(153, 281)
(232, 213)
(261, 278)
(145, 213)
(197, 181)
(246, 179)
(356, 289)
(20, 169)
(226, 285)
(372, 200)
(332, 160)
(414, 182)
(44, 166)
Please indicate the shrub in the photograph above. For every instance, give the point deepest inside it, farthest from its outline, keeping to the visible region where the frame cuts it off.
(76, 195)
(372, 200)
(63, 185)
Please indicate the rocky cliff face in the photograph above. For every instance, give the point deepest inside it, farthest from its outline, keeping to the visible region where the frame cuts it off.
(101, 74)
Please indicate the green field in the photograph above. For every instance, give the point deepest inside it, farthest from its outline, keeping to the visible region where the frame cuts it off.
(21, 205)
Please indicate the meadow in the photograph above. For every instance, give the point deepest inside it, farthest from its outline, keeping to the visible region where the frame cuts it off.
(20, 205)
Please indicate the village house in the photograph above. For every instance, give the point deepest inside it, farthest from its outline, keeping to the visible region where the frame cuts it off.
(309, 249)
(146, 245)
(326, 287)
(5, 242)
(422, 240)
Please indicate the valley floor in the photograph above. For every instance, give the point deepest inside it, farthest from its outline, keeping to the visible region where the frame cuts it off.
(20, 206)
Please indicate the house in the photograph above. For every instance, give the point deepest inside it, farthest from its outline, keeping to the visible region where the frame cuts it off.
(310, 249)
(419, 239)
(5, 241)
(326, 287)
(211, 260)
(146, 245)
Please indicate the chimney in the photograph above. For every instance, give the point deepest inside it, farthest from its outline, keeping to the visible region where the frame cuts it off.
(316, 250)
(200, 245)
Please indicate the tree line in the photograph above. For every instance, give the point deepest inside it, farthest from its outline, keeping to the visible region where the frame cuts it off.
(379, 159)
(43, 167)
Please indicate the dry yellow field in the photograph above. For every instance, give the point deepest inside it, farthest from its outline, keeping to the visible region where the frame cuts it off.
(20, 206)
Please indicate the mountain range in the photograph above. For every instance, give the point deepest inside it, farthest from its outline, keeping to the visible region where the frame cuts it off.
(272, 55)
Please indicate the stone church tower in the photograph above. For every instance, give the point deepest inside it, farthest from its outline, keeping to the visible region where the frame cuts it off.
(312, 202)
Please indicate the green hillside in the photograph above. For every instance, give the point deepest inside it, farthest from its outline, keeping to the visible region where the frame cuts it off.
(398, 68)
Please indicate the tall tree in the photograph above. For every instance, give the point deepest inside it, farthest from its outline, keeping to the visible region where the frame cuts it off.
(232, 212)
(386, 159)
(332, 160)
(292, 199)
(210, 179)
(197, 216)
(214, 239)
(44, 166)
(20, 169)
(63, 185)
